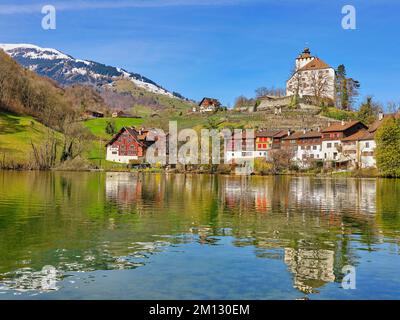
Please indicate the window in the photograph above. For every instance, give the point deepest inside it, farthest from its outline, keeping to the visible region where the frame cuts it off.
(314, 147)
(336, 144)
(367, 144)
(114, 152)
(329, 145)
(264, 146)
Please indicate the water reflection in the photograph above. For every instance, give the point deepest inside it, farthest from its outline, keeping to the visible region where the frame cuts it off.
(115, 221)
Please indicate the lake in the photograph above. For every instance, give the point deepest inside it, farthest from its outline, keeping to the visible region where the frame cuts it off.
(153, 236)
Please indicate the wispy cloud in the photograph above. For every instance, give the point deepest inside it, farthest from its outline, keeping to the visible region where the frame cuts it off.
(28, 8)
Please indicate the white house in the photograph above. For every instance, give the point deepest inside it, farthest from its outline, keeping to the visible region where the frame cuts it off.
(367, 147)
(127, 145)
(312, 77)
(332, 136)
(309, 148)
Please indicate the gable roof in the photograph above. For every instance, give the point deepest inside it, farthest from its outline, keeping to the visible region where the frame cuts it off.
(315, 64)
(356, 136)
(377, 123)
(212, 101)
(340, 127)
(132, 131)
(266, 133)
(311, 134)
(281, 134)
(368, 136)
(294, 136)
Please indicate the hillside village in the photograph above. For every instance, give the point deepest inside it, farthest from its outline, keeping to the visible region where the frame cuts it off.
(307, 125)
(338, 144)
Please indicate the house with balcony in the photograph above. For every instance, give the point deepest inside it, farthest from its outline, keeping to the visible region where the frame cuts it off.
(332, 136)
(309, 147)
(128, 145)
(240, 148)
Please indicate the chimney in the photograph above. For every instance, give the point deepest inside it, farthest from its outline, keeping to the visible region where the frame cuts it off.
(343, 123)
(304, 130)
(381, 115)
(319, 129)
(289, 132)
(329, 124)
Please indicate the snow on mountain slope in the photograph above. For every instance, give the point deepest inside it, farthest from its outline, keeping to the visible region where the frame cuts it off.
(67, 70)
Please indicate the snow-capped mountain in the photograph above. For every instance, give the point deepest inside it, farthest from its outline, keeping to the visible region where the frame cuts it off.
(67, 70)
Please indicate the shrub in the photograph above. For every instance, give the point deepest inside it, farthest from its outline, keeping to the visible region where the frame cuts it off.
(262, 166)
(388, 148)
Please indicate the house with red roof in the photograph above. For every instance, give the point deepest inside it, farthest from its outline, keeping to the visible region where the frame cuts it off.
(312, 77)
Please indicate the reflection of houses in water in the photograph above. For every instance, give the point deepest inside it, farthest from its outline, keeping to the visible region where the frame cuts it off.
(243, 193)
(123, 188)
(354, 195)
(311, 268)
(237, 193)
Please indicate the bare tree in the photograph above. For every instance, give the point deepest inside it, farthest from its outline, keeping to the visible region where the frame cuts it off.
(281, 159)
(393, 107)
(272, 91)
(320, 84)
(45, 154)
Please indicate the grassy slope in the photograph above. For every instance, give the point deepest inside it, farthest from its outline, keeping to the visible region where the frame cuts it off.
(98, 126)
(16, 134)
(171, 104)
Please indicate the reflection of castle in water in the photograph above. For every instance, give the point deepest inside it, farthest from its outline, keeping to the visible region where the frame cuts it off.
(311, 268)
(300, 221)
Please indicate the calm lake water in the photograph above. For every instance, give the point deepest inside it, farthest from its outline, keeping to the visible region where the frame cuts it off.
(134, 236)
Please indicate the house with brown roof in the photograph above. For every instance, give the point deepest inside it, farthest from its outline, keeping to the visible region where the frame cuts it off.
(278, 138)
(362, 145)
(333, 137)
(209, 105)
(128, 144)
(309, 147)
(312, 78)
(290, 142)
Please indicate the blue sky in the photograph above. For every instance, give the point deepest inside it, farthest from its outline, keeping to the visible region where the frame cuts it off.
(219, 48)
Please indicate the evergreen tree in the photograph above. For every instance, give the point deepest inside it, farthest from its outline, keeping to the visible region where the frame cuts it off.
(368, 111)
(346, 89)
(110, 128)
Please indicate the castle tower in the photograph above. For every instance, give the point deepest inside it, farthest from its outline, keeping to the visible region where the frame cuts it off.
(304, 58)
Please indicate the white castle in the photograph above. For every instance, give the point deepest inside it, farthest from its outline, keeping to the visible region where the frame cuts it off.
(311, 77)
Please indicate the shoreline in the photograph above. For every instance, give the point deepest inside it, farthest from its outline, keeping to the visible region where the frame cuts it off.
(334, 174)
